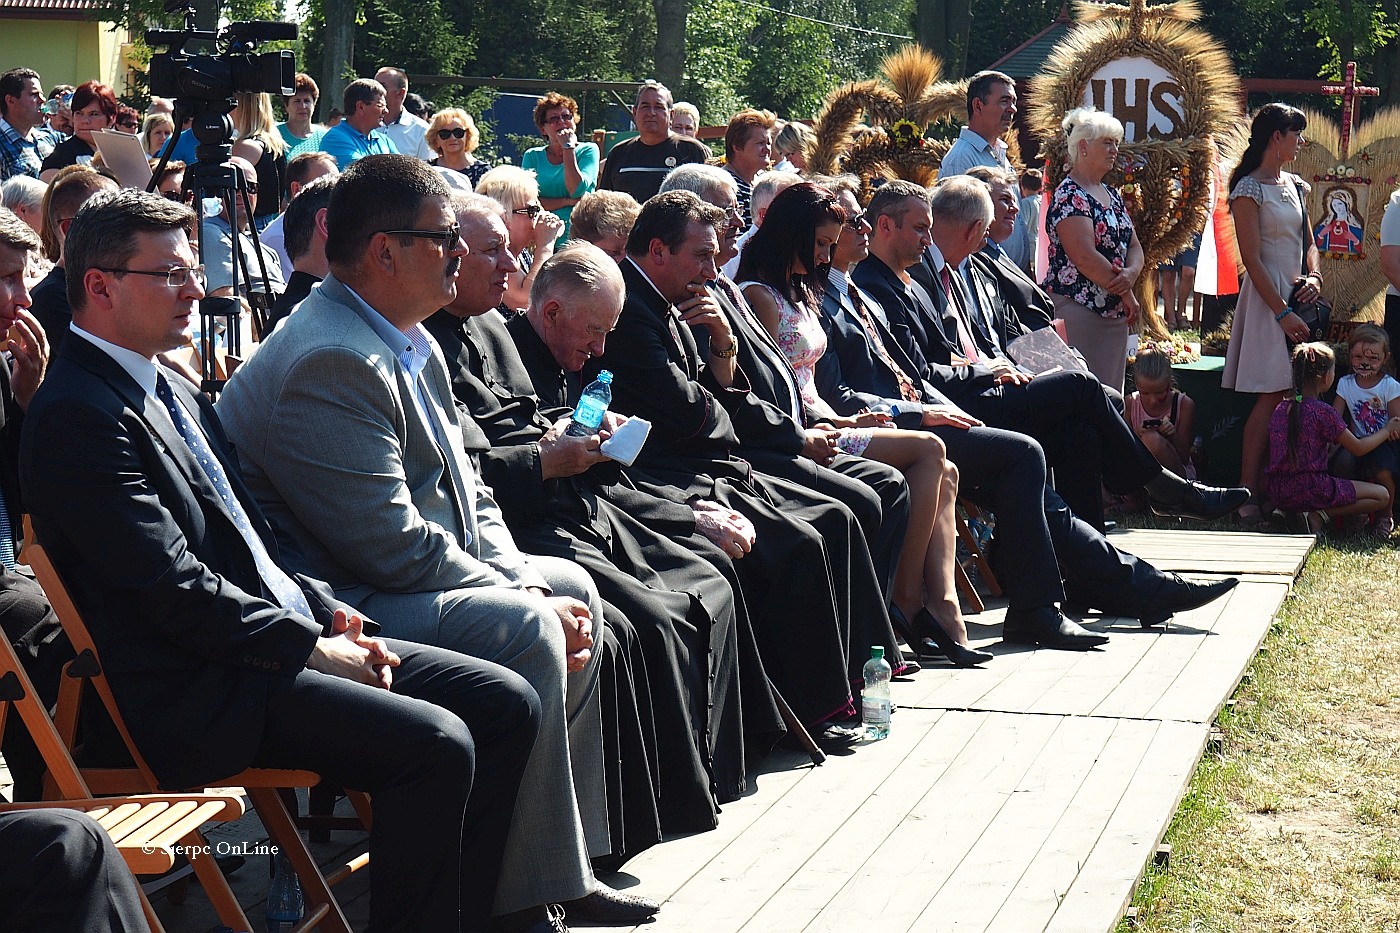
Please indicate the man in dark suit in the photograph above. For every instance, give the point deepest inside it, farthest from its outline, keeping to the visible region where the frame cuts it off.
(813, 626)
(1083, 434)
(773, 433)
(28, 622)
(220, 659)
(865, 366)
(561, 496)
(304, 224)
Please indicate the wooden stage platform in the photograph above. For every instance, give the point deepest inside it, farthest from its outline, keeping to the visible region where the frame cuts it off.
(1029, 795)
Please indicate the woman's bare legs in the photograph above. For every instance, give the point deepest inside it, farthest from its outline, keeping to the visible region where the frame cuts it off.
(1256, 451)
(925, 560)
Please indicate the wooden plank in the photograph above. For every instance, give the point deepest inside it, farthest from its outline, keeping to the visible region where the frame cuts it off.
(908, 869)
(1098, 674)
(974, 894)
(1040, 888)
(810, 888)
(1100, 894)
(1201, 689)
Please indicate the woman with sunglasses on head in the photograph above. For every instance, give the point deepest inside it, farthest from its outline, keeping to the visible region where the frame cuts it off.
(94, 108)
(531, 228)
(566, 168)
(452, 135)
(782, 275)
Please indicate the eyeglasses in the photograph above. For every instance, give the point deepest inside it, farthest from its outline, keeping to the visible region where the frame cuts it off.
(531, 210)
(129, 124)
(560, 118)
(459, 132)
(855, 220)
(252, 187)
(449, 237)
(175, 278)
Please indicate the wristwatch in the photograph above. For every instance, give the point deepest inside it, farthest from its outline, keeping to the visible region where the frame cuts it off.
(570, 145)
(729, 354)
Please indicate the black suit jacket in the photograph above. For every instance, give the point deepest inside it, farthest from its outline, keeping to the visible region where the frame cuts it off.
(164, 580)
(11, 426)
(921, 335)
(1027, 301)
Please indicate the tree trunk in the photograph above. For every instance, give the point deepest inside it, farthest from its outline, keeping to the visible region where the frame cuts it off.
(339, 54)
(1388, 61)
(942, 27)
(670, 41)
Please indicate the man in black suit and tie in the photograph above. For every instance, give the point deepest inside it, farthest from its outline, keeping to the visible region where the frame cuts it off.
(1083, 434)
(219, 658)
(1003, 471)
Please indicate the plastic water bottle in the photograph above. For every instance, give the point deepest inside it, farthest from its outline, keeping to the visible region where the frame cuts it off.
(875, 698)
(592, 405)
(284, 902)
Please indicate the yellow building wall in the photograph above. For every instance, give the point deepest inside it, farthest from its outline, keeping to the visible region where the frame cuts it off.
(64, 51)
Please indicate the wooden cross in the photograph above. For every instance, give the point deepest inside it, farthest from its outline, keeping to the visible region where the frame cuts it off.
(1348, 92)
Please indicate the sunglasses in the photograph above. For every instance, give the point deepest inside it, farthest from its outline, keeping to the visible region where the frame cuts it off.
(533, 210)
(129, 124)
(855, 220)
(449, 237)
(252, 187)
(448, 134)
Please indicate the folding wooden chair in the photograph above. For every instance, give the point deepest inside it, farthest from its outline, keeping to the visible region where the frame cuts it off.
(146, 828)
(265, 787)
(975, 557)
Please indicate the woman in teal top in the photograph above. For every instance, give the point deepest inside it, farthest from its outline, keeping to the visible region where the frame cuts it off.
(566, 168)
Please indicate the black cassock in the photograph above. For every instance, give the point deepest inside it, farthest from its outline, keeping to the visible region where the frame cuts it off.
(686, 616)
(815, 602)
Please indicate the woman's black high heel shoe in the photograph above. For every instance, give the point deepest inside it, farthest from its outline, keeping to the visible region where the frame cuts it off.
(921, 647)
(929, 630)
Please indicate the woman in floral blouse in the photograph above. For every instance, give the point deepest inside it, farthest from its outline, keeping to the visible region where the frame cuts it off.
(1095, 256)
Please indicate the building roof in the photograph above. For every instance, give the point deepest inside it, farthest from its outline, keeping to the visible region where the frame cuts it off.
(1024, 61)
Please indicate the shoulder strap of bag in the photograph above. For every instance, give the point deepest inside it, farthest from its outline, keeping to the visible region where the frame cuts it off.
(1307, 227)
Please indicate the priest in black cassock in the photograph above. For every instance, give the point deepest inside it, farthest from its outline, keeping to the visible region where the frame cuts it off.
(560, 496)
(811, 587)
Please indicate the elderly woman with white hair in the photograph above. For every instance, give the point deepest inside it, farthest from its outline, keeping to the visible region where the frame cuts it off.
(532, 229)
(1095, 257)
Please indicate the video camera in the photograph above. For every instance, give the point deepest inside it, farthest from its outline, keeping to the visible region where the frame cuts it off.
(236, 69)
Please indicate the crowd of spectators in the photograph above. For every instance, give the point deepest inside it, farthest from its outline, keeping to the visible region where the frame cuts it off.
(562, 655)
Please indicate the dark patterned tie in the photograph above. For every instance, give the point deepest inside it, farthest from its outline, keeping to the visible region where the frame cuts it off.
(907, 390)
(284, 588)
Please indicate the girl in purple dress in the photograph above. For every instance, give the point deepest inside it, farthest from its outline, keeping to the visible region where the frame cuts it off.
(1300, 432)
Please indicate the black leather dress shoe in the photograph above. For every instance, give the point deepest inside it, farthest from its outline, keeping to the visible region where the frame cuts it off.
(1203, 503)
(1048, 629)
(1184, 597)
(611, 907)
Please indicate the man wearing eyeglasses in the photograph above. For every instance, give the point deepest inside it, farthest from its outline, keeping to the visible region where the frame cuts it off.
(218, 246)
(350, 440)
(24, 141)
(220, 654)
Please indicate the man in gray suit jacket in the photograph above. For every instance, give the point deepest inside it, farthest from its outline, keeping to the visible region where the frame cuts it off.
(345, 425)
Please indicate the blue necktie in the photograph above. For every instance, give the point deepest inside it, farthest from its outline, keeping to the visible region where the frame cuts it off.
(283, 587)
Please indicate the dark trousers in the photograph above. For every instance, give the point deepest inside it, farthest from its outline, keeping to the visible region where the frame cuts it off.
(32, 629)
(441, 754)
(875, 493)
(1096, 573)
(1085, 439)
(1005, 472)
(60, 873)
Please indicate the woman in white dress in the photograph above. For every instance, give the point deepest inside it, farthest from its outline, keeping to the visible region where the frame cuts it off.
(1267, 205)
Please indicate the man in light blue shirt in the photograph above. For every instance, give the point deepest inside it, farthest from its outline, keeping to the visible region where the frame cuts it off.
(991, 108)
(360, 133)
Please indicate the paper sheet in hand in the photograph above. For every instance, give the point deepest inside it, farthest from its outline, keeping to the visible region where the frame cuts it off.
(122, 153)
(1042, 350)
(626, 442)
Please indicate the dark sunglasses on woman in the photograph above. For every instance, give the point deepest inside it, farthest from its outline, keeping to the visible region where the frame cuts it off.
(448, 134)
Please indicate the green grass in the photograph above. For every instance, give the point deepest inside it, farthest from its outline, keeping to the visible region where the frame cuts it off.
(1294, 823)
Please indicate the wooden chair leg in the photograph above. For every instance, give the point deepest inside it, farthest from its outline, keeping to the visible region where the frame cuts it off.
(360, 801)
(795, 727)
(278, 823)
(151, 919)
(215, 885)
(974, 599)
(975, 551)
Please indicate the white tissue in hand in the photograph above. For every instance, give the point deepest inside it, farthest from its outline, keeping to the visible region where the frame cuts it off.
(626, 442)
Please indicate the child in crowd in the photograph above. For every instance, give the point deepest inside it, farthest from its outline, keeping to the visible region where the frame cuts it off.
(1368, 398)
(1300, 431)
(1162, 415)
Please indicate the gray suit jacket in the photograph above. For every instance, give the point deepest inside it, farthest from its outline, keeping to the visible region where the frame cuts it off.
(331, 443)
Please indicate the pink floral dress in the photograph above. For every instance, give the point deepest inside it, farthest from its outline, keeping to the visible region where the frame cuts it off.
(802, 340)
(1113, 234)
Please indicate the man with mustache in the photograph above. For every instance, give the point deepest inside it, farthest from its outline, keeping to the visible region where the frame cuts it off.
(350, 440)
(639, 165)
